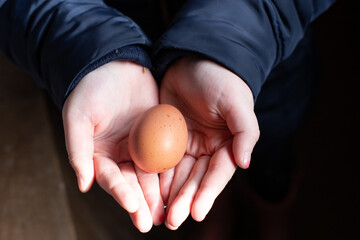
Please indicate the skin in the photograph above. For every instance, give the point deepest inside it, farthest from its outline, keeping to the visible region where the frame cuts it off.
(97, 117)
(223, 129)
(218, 107)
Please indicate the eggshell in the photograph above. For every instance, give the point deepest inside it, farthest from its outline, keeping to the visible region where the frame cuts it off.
(158, 139)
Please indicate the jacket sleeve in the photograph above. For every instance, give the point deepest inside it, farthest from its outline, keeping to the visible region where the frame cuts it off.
(249, 37)
(59, 41)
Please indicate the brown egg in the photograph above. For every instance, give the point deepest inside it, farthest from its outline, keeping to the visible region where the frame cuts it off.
(158, 139)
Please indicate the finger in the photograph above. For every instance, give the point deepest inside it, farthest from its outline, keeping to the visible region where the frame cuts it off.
(111, 179)
(120, 181)
(221, 169)
(142, 218)
(244, 126)
(150, 186)
(181, 206)
(243, 145)
(182, 172)
(80, 147)
(166, 179)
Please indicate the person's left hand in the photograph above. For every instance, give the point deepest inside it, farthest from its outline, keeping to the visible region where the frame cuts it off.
(223, 129)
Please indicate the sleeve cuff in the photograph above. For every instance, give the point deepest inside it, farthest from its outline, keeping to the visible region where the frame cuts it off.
(130, 53)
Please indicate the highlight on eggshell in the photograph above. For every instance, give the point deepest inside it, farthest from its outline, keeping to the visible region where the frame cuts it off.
(158, 139)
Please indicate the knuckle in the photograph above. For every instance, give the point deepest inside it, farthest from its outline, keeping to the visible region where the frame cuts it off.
(76, 160)
(256, 135)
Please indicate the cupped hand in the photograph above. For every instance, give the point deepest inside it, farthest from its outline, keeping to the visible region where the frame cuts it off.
(97, 118)
(223, 129)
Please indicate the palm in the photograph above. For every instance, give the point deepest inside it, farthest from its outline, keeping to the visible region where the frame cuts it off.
(207, 130)
(112, 132)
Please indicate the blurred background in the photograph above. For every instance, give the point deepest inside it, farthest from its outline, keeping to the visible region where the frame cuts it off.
(39, 198)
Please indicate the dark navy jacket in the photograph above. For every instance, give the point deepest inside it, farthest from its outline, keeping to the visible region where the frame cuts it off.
(59, 41)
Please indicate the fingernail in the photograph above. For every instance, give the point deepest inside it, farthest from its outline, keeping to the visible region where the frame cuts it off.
(160, 220)
(81, 184)
(246, 159)
(170, 227)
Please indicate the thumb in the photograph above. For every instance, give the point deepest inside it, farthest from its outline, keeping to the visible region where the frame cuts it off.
(243, 145)
(243, 124)
(79, 141)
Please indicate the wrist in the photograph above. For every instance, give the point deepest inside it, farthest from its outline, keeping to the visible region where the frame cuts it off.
(132, 53)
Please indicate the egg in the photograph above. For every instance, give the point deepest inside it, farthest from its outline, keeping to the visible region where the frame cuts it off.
(158, 139)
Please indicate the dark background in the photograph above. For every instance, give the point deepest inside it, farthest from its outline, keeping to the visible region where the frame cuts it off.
(325, 201)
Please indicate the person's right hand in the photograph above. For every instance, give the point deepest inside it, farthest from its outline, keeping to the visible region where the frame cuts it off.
(97, 118)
